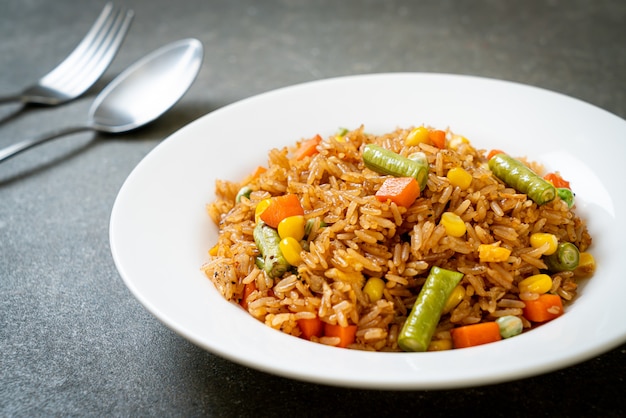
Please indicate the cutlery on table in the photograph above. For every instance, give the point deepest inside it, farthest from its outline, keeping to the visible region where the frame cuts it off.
(138, 95)
(84, 66)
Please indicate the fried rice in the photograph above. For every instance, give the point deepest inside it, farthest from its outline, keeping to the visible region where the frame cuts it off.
(358, 237)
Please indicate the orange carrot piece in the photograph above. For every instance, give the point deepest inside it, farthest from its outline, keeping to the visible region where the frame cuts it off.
(401, 190)
(494, 152)
(259, 170)
(475, 334)
(347, 335)
(307, 148)
(438, 138)
(255, 174)
(247, 290)
(545, 308)
(281, 207)
(311, 327)
(557, 180)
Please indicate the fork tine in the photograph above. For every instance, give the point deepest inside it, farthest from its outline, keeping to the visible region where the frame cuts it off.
(70, 61)
(85, 64)
(108, 53)
(101, 56)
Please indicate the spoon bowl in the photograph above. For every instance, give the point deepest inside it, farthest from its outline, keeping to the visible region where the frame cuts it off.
(148, 88)
(136, 97)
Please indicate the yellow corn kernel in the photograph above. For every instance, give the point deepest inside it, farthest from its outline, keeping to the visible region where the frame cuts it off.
(540, 238)
(539, 283)
(457, 295)
(292, 226)
(459, 177)
(453, 224)
(456, 141)
(374, 288)
(586, 264)
(493, 253)
(440, 345)
(291, 249)
(260, 207)
(417, 136)
(213, 251)
(345, 276)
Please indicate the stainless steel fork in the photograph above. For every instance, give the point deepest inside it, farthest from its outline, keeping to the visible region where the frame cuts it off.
(84, 66)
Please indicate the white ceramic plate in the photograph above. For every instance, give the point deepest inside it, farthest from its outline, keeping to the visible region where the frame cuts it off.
(160, 233)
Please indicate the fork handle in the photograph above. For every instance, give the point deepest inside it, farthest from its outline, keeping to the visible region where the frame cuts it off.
(11, 98)
(13, 150)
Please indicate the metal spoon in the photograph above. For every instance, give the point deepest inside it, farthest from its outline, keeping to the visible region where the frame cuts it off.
(140, 94)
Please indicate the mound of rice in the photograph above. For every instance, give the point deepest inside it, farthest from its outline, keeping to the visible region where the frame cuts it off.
(367, 238)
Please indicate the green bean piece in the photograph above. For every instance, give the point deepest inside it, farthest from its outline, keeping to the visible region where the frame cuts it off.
(311, 224)
(267, 241)
(342, 131)
(517, 175)
(421, 323)
(419, 157)
(384, 161)
(566, 195)
(260, 263)
(244, 191)
(510, 326)
(565, 258)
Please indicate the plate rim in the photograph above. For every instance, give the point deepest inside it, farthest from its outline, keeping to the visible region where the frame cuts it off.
(390, 383)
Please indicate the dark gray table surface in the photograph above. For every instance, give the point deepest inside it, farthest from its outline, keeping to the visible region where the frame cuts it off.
(74, 341)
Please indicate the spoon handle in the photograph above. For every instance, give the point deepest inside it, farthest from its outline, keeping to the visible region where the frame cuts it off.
(15, 149)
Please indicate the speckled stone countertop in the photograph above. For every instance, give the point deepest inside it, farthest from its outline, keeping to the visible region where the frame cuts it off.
(75, 342)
